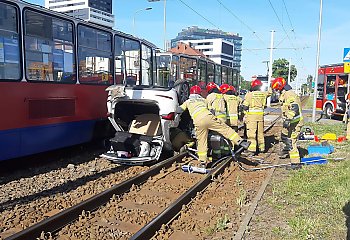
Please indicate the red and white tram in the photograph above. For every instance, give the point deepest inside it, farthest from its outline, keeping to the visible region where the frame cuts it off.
(54, 70)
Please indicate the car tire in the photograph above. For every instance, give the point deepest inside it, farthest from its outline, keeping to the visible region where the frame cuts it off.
(328, 111)
(183, 91)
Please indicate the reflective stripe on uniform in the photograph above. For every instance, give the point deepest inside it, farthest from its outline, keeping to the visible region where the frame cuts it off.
(296, 119)
(202, 154)
(294, 135)
(294, 155)
(233, 136)
(197, 112)
(252, 147)
(256, 111)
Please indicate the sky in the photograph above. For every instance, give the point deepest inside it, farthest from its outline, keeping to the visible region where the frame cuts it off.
(295, 23)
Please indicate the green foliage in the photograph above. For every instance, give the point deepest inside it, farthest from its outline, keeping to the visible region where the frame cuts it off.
(280, 68)
(245, 85)
(221, 224)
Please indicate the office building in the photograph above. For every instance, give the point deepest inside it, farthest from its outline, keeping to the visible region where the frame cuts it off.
(96, 11)
(222, 47)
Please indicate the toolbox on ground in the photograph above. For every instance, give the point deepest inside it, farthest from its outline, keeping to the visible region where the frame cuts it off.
(323, 148)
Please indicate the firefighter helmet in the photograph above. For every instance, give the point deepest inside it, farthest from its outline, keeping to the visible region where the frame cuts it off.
(256, 83)
(232, 88)
(224, 88)
(195, 89)
(278, 83)
(211, 85)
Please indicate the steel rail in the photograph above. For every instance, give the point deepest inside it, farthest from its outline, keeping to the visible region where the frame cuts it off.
(58, 221)
(149, 230)
(175, 208)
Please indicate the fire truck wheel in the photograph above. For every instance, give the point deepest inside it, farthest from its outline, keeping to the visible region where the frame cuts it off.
(328, 111)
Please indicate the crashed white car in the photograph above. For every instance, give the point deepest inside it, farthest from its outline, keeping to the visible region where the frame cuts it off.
(145, 122)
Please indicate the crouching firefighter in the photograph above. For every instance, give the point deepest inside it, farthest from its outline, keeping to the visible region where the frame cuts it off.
(204, 121)
(253, 106)
(292, 120)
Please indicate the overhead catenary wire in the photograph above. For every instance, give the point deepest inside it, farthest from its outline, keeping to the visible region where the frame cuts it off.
(285, 31)
(293, 30)
(241, 21)
(206, 19)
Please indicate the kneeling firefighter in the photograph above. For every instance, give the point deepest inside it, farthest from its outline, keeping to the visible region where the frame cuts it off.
(204, 121)
(292, 120)
(253, 105)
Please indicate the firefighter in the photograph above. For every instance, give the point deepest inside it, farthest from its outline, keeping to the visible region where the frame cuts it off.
(253, 106)
(215, 101)
(232, 105)
(292, 120)
(204, 121)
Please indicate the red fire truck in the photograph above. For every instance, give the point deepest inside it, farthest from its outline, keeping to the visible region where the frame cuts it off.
(332, 87)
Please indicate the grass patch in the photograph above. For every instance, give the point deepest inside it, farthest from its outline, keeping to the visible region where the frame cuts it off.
(221, 224)
(315, 201)
(310, 103)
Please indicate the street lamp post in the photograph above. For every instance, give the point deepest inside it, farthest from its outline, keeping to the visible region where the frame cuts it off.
(133, 20)
(317, 63)
(270, 67)
(163, 20)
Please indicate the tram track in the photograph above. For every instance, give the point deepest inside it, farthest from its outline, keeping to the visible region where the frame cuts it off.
(56, 222)
(48, 225)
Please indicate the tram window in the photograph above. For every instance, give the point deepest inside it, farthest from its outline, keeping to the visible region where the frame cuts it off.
(188, 70)
(174, 71)
(49, 48)
(126, 60)
(202, 71)
(235, 79)
(146, 65)
(164, 77)
(94, 56)
(210, 72)
(9, 44)
(224, 75)
(217, 79)
(230, 76)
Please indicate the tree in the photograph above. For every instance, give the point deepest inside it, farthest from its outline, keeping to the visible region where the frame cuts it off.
(280, 68)
(309, 81)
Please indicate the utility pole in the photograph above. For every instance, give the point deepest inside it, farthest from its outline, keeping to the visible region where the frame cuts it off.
(317, 64)
(289, 66)
(270, 68)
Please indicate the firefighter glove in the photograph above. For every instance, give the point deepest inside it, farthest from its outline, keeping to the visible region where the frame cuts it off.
(179, 110)
(286, 123)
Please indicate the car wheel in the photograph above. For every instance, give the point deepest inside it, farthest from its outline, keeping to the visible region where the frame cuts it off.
(328, 111)
(183, 92)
